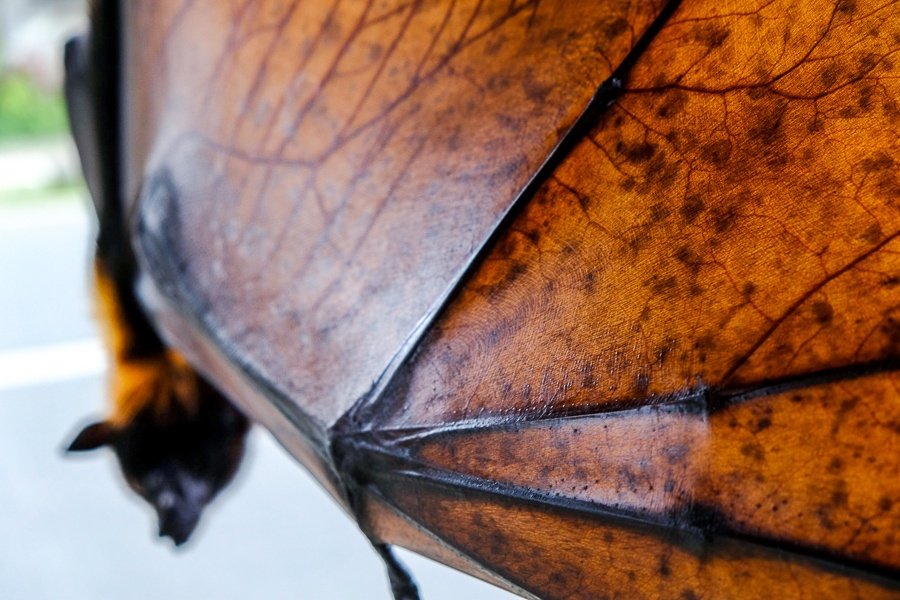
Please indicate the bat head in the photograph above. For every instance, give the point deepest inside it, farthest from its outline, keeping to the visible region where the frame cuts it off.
(179, 460)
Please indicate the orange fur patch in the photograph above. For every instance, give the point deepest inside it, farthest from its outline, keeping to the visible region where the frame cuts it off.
(162, 383)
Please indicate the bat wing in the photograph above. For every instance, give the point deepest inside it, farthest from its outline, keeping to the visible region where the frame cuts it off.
(587, 299)
(673, 374)
(310, 179)
(790, 492)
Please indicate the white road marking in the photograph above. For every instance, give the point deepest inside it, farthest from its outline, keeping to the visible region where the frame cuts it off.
(39, 365)
(71, 210)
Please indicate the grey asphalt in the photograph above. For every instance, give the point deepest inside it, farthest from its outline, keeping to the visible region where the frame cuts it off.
(68, 528)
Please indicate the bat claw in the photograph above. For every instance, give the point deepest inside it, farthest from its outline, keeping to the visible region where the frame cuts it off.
(402, 585)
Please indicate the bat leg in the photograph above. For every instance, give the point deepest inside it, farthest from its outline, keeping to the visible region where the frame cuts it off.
(402, 584)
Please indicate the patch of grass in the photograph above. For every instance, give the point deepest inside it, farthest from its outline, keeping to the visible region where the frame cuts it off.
(28, 111)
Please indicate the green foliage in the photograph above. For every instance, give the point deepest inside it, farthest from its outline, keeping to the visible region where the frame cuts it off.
(57, 192)
(28, 111)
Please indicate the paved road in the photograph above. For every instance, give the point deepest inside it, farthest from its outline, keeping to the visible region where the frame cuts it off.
(68, 530)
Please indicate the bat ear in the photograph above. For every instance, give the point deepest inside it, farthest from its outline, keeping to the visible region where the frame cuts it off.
(93, 436)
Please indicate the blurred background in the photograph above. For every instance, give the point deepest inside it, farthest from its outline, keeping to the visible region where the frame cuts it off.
(68, 527)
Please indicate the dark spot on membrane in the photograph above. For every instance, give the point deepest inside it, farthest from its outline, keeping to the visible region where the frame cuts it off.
(677, 454)
(753, 451)
(536, 91)
(691, 208)
(507, 247)
(689, 258)
(661, 173)
(848, 112)
(636, 243)
(784, 348)
(839, 496)
(847, 7)
(664, 569)
(756, 93)
(658, 212)
(558, 579)
(509, 122)
(867, 63)
(705, 342)
(497, 542)
(495, 45)
(872, 234)
(455, 139)
(823, 312)
(554, 35)
(614, 28)
(673, 104)
(661, 285)
(515, 271)
(823, 512)
(723, 219)
(891, 330)
(638, 153)
(836, 465)
(716, 152)
(888, 186)
(768, 127)
(711, 37)
(749, 288)
(763, 424)
(829, 75)
(880, 161)
(815, 125)
(865, 98)
(498, 82)
(589, 282)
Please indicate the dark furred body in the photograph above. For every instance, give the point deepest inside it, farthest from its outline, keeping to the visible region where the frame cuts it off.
(177, 439)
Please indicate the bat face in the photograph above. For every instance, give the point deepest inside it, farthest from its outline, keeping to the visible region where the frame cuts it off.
(177, 461)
